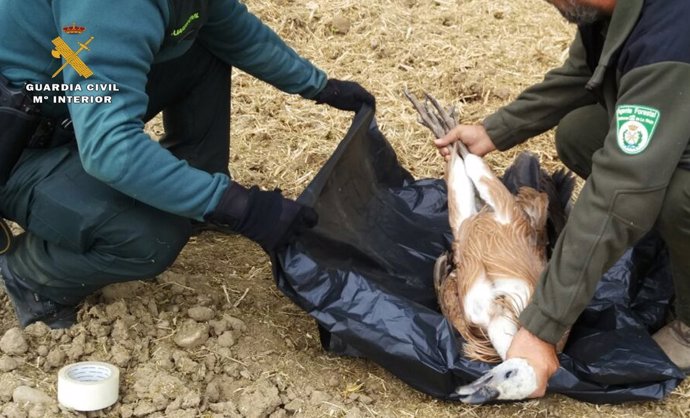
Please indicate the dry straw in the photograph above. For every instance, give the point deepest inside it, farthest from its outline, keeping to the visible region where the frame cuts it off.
(475, 55)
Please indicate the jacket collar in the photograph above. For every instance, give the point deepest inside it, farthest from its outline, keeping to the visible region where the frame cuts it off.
(625, 16)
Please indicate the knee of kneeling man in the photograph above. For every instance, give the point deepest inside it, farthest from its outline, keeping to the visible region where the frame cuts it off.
(163, 256)
(153, 250)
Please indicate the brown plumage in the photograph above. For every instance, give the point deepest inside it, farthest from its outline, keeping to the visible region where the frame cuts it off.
(483, 247)
(500, 246)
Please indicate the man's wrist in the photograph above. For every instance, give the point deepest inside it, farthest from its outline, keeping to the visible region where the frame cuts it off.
(541, 325)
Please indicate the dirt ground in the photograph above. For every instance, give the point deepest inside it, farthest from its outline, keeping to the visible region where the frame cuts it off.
(213, 337)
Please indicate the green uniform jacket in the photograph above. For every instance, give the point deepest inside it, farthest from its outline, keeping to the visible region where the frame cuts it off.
(128, 37)
(637, 65)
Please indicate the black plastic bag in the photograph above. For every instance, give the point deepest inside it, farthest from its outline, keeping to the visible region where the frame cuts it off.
(365, 274)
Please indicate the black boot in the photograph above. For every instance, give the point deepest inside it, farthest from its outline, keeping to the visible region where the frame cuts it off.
(30, 307)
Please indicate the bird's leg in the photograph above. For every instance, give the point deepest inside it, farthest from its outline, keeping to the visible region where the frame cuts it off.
(439, 120)
(426, 116)
(501, 331)
(490, 189)
(461, 193)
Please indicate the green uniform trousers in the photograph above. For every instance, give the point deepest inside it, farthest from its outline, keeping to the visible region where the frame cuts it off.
(576, 150)
(81, 234)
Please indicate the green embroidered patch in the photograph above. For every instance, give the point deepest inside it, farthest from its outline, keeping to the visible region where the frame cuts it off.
(635, 126)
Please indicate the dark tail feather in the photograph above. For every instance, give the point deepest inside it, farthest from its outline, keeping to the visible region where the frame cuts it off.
(525, 171)
(559, 186)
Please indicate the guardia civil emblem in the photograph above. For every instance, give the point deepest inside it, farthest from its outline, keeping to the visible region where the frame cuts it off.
(635, 127)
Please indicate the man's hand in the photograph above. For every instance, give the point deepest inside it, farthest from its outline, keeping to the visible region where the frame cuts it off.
(529, 364)
(345, 95)
(539, 354)
(474, 137)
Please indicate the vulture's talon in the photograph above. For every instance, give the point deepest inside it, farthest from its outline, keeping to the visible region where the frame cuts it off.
(513, 379)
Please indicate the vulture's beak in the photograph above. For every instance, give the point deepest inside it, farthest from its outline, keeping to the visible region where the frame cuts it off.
(513, 379)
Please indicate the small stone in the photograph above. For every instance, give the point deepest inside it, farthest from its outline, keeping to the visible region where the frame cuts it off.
(8, 383)
(55, 358)
(116, 309)
(291, 394)
(235, 324)
(318, 397)
(37, 329)
(13, 342)
(126, 411)
(12, 410)
(366, 400)
(226, 339)
(163, 358)
(159, 401)
(354, 413)
(26, 394)
(174, 281)
(7, 363)
(40, 410)
(218, 326)
(259, 401)
(42, 350)
(191, 400)
(201, 313)
(225, 408)
(191, 334)
(340, 25)
(278, 413)
(212, 392)
(185, 364)
(120, 355)
(76, 349)
(293, 407)
(143, 409)
(173, 406)
(502, 93)
(182, 413)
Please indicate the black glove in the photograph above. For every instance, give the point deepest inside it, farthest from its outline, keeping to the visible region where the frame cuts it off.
(345, 95)
(266, 218)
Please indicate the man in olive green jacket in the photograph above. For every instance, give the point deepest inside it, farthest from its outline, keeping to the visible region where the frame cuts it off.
(621, 102)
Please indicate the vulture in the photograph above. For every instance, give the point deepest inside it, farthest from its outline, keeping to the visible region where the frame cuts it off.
(503, 231)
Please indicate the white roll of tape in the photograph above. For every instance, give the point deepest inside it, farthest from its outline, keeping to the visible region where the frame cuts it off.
(88, 385)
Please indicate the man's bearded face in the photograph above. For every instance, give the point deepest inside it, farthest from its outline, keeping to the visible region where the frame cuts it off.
(576, 12)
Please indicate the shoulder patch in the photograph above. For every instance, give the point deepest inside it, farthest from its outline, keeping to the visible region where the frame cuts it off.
(635, 127)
